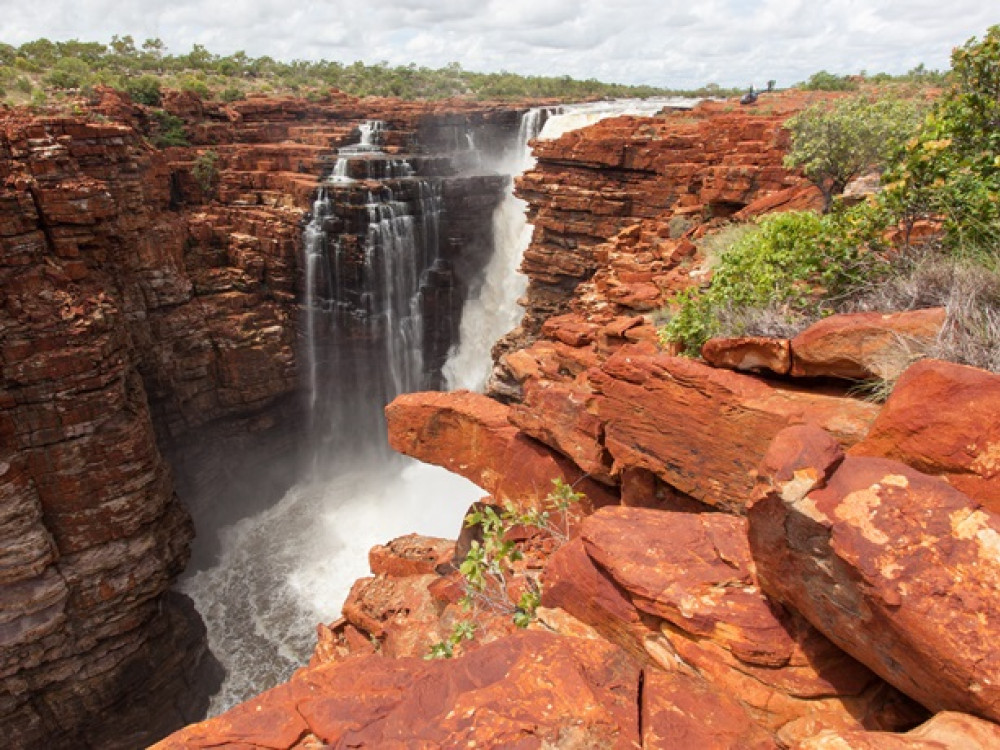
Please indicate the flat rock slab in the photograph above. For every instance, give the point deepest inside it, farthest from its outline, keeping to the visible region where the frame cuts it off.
(530, 690)
(896, 567)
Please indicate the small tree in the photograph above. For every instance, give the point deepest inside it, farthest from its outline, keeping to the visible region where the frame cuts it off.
(206, 172)
(835, 143)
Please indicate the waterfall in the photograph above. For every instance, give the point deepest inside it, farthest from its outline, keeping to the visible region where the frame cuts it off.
(369, 253)
(494, 311)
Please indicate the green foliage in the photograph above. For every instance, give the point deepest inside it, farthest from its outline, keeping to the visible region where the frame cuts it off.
(144, 89)
(834, 143)
(206, 172)
(797, 261)
(208, 74)
(824, 81)
(462, 630)
(951, 170)
(489, 565)
(171, 129)
(68, 73)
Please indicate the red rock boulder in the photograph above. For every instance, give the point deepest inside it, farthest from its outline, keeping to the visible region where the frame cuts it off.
(857, 346)
(942, 419)
(894, 566)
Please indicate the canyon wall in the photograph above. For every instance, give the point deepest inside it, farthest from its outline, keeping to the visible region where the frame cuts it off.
(732, 577)
(150, 318)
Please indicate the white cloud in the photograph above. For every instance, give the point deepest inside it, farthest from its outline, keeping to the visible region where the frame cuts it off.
(660, 42)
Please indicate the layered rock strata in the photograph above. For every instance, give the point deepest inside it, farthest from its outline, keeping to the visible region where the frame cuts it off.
(149, 312)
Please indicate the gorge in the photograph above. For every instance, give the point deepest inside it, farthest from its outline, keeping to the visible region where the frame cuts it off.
(233, 337)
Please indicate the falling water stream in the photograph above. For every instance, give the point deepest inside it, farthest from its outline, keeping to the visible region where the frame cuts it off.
(273, 575)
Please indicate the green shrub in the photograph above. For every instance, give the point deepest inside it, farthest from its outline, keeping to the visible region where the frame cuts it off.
(796, 262)
(206, 172)
(489, 565)
(824, 81)
(144, 89)
(951, 169)
(834, 143)
(68, 73)
(170, 129)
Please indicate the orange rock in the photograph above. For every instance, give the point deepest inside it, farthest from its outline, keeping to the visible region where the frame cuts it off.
(680, 711)
(410, 555)
(703, 430)
(749, 354)
(470, 434)
(896, 567)
(680, 587)
(522, 691)
(856, 346)
(942, 419)
(947, 729)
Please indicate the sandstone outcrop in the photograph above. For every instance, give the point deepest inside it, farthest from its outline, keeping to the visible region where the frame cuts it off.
(958, 438)
(470, 434)
(680, 588)
(896, 567)
(530, 690)
(703, 430)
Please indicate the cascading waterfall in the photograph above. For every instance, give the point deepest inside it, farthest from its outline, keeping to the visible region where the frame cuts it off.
(494, 310)
(367, 254)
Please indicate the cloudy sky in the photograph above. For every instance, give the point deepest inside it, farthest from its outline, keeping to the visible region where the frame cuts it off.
(659, 42)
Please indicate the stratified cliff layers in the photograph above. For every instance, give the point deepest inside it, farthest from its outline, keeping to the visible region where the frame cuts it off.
(762, 560)
(149, 309)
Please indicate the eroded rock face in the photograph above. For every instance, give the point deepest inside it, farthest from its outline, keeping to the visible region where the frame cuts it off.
(896, 567)
(530, 690)
(703, 430)
(680, 587)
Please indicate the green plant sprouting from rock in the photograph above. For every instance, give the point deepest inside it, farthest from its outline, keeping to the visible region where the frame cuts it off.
(206, 172)
(489, 567)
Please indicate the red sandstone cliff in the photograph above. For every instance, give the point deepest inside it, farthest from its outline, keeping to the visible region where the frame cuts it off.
(138, 315)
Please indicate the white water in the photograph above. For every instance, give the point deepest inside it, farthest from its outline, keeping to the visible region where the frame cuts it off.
(494, 310)
(283, 570)
(290, 567)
